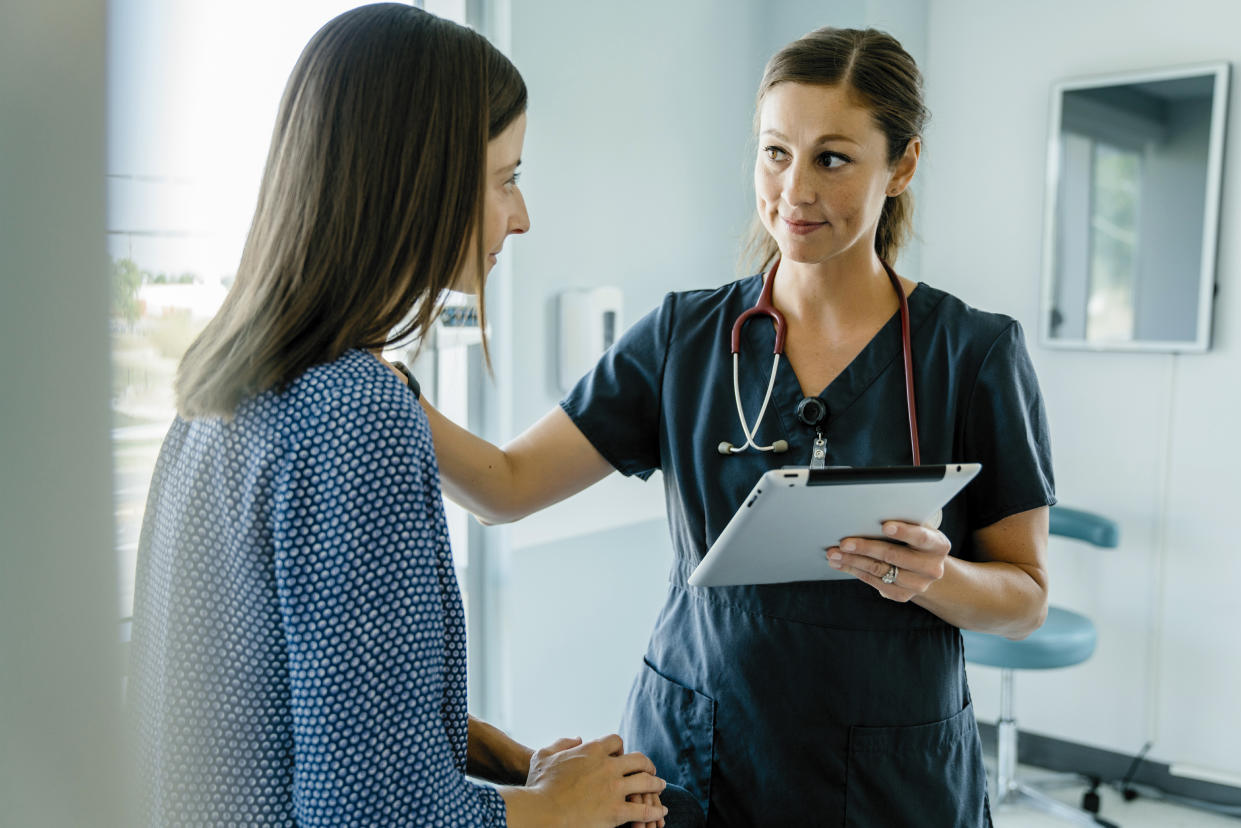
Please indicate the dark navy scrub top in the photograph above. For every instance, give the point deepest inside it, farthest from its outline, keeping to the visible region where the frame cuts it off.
(814, 703)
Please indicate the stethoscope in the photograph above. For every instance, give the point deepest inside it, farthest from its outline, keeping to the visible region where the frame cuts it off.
(810, 410)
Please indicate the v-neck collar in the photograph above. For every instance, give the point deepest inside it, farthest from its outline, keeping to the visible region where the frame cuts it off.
(862, 372)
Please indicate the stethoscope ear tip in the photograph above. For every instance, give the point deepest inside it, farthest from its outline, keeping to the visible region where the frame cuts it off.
(725, 448)
(780, 446)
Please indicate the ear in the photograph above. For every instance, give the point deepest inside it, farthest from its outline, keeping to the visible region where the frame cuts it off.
(903, 169)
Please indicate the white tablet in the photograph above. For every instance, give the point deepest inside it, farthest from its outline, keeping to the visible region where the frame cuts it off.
(782, 530)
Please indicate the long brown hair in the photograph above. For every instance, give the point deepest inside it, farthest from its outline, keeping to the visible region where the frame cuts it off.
(885, 79)
(371, 197)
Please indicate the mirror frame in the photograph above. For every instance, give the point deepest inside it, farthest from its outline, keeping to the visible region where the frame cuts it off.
(1210, 226)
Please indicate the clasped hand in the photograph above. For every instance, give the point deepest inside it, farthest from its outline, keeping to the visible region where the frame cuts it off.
(598, 782)
(918, 553)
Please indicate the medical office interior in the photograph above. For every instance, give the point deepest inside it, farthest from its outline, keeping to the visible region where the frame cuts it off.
(130, 150)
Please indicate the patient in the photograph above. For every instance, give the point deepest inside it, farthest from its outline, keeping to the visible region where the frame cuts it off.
(299, 641)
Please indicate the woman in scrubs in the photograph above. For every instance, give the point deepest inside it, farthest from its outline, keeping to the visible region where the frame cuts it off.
(815, 703)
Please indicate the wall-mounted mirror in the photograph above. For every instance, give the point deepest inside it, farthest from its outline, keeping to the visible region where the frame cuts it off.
(1133, 182)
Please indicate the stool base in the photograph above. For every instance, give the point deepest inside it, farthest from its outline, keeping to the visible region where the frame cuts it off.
(1020, 795)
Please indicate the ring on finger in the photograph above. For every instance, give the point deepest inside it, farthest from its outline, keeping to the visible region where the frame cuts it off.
(889, 577)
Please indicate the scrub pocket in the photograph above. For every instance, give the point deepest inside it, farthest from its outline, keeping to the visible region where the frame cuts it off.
(925, 775)
(675, 727)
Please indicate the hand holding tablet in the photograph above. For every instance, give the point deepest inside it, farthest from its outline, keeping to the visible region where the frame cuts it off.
(902, 565)
(784, 527)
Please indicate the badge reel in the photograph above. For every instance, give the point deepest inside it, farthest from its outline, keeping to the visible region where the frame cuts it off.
(812, 411)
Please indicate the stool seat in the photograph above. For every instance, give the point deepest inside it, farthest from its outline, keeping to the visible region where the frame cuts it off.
(1066, 638)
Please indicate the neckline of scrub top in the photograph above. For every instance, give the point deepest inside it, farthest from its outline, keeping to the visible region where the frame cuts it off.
(865, 368)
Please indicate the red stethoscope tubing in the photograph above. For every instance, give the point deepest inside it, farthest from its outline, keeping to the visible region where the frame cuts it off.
(765, 307)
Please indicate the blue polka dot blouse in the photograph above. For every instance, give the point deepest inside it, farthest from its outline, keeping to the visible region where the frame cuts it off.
(299, 640)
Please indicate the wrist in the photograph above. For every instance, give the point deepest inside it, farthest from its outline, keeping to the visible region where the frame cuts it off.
(493, 755)
(517, 764)
(529, 808)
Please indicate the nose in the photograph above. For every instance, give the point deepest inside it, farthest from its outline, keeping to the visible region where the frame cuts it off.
(519, 221)
(798, 186)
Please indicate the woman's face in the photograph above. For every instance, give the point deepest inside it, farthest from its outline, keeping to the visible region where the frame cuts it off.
(504, 209)
(822, 171)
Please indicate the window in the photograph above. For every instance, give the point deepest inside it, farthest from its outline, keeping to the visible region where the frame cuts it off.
(1116, 178)
(1097, 238)
(193, 91)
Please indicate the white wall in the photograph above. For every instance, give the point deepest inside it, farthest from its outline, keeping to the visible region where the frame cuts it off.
(60, 678)
(635, 172)
(1144, 438)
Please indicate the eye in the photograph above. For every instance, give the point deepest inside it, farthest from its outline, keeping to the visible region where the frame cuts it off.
(512, 181)
(773, 153)
(832, 160)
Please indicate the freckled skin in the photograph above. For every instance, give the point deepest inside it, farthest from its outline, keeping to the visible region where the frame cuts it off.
(839, 183)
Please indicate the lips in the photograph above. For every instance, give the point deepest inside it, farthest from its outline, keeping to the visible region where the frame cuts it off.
(801, 227)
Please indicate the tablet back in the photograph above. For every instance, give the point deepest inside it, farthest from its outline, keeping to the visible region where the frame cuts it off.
(782, 530)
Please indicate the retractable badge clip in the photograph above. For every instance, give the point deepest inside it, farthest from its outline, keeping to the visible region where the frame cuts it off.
(811, 411)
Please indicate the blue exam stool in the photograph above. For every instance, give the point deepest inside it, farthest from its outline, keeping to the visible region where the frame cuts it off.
(1065, 639)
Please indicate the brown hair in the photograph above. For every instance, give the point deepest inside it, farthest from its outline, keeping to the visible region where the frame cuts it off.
(371, 196)
(885, 79)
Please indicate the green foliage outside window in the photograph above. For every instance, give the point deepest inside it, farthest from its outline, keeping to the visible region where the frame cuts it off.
(126, 279)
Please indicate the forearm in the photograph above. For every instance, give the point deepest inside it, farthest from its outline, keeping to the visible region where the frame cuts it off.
(492, 755)
(548, 462)
(1001, 598)
(475, 474)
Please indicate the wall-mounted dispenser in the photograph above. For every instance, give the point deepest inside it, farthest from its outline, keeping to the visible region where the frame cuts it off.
(589, 322)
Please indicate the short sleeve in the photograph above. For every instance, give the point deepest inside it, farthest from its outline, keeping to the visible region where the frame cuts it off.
(617, 404)
(1006, 431)
(360, 573)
